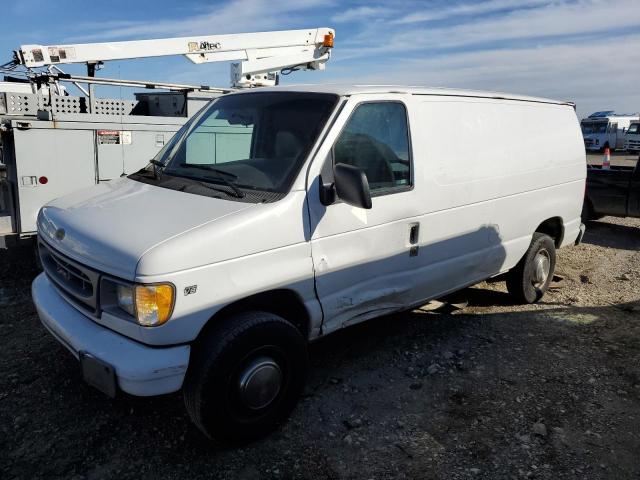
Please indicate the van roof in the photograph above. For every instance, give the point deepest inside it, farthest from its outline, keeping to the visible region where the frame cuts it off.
(631, 118)
(611, 113)
(344, 90)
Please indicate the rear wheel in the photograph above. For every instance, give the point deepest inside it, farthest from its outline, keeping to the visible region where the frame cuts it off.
(245, 377)
(528, 281)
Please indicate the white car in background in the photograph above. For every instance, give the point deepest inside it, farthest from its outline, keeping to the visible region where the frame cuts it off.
(632, 138)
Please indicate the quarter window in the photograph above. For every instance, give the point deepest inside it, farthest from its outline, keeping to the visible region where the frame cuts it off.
(376, 139)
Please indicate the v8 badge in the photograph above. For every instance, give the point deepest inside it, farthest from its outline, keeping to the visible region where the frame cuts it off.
(190, 289)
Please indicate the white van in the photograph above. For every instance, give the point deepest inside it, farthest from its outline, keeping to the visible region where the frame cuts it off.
(632, 138)
(607, 129)
(211, 269)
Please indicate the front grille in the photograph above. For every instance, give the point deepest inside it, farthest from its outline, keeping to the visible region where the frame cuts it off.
(79, 283)
(588, 141)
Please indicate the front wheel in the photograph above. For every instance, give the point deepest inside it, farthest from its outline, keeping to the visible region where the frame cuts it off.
(245, 377)
(530, 278)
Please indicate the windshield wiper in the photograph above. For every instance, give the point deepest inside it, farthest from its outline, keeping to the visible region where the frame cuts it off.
(161, 166)
(210, 168)
(150, 173)
(219, 175)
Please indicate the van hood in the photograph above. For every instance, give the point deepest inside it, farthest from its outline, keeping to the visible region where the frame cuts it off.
(110, 226)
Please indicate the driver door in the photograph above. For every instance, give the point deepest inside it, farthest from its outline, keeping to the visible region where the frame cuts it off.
(364, 260)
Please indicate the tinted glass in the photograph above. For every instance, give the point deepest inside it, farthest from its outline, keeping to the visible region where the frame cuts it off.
(376, 139)
(255, 140)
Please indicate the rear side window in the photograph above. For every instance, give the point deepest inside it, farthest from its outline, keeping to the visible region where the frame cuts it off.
(376, 139)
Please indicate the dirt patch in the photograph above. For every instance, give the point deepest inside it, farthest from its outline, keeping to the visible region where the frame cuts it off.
(493, 390)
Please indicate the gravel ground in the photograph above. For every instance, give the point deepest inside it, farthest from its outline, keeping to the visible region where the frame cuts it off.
(493, 390)
(621, 159)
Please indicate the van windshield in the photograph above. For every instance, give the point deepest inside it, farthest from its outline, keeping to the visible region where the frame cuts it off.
(634, 129)
(255, 141)
(594, 127)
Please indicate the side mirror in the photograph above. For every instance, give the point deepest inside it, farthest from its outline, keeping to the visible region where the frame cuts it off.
(352, 185)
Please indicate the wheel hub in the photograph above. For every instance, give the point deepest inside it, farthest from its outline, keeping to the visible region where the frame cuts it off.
(260, 382)
(541, 268)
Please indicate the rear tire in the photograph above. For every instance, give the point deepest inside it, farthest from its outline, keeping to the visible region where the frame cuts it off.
(529, 280)
(245, 377)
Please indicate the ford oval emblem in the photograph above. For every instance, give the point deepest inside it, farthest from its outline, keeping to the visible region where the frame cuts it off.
(60, 233)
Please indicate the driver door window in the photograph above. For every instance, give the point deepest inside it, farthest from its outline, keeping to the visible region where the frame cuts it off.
(376, 139)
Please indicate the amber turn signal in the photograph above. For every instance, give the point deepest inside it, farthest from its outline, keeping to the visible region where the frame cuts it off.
(154, 304)
(328, 40)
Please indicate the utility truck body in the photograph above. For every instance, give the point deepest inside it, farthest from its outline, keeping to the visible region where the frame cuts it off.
(211, 269)
(51, 148)
(53, 143)
(606, 130)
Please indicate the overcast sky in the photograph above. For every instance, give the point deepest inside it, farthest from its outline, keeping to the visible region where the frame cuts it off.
(586, 51)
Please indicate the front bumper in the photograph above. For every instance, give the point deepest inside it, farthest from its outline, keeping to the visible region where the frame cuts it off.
(140, 370)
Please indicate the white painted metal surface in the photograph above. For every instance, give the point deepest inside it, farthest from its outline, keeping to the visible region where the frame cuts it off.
(140, 370)
(70, 155)
(259, 52)
(487, 170)
(145, 216)
(16, 87)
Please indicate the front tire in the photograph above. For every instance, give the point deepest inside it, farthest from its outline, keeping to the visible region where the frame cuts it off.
(529, 280)
(245, 377)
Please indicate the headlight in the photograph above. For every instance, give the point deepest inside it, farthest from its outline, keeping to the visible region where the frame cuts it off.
(150, 305)
(125, 299)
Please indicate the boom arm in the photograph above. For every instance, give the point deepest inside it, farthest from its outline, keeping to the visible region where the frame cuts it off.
(260, 52)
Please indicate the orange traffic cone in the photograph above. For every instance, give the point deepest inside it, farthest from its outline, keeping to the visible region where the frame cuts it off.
(606, 160)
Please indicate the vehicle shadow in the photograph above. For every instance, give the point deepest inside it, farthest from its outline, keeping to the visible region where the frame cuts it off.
(433, 374)
(413, 385)
(612, 235)
(480, 297)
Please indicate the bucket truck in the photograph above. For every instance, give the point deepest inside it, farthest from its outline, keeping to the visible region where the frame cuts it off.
(53, 143)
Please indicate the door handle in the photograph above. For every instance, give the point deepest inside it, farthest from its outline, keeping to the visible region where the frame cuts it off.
(414, 235)
(414, 231)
